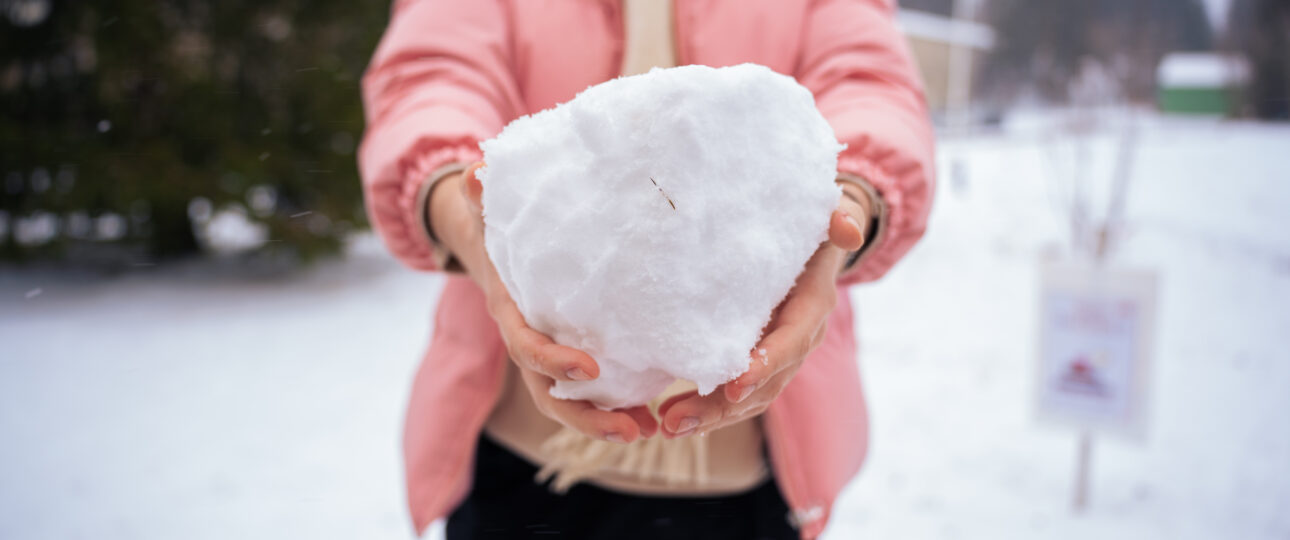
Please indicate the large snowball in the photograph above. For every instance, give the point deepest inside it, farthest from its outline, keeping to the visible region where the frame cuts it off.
(655, 221)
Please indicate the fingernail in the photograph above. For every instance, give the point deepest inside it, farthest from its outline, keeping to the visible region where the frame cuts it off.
(577, 374)
(853, 221)
(745, 392)
(687, 424)
(614, 437)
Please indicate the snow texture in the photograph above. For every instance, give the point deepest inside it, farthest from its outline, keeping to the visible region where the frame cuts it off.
(654, 221)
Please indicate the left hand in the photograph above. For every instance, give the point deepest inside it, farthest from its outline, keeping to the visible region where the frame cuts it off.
(796, 328)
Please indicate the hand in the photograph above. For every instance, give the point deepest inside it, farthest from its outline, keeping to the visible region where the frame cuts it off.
(796, 328)
(457, 220)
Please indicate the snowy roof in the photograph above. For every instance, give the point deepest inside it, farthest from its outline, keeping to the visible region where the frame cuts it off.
(932, 27)
(1202, 70)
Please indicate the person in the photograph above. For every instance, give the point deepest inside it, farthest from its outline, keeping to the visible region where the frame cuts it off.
(782, 439)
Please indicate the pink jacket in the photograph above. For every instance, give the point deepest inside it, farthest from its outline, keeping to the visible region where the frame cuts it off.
(448, 74)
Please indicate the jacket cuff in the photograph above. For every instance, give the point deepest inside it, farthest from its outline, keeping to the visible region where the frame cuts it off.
(877, 225)
(418, 176)
(443, 258)
(876, 257)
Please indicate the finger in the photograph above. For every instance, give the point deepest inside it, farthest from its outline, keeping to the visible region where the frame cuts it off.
(713, 412)
(472, 187)
(796, 328)
(534, 351)
(693, 413)
(754, 404)
(784, 355)
(799, 330)
(613, 426)
(820, 275)
(669, 402)
(581, 415)
(845, 232)
(644, 420)
(786, 346)
(759, 369)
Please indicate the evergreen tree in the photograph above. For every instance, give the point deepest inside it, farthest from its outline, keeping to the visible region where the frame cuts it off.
(939, 7)
(136, 108)
(1260, 31)
(1043, 46)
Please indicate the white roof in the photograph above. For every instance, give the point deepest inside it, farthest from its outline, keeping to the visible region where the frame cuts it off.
(1202, 70)
(932, 27)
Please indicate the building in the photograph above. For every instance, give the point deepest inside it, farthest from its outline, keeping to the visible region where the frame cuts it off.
(948, 46)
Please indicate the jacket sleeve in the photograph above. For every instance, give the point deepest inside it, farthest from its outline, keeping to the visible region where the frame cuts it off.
(857, 64)
(440, 81)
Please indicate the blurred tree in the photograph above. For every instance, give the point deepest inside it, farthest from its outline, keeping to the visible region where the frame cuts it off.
(1044, 47)
(939, 7)
(1096, 58)
(1260, 31)
(124, 119)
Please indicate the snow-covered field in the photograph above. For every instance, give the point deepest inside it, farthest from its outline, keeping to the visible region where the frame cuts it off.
(170, 403)
(948, 354)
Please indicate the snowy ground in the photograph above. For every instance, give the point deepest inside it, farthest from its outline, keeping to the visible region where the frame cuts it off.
(948, 355)
(170, 404)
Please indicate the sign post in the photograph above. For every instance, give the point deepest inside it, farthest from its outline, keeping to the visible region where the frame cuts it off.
(1096, 330)
(1083, 461)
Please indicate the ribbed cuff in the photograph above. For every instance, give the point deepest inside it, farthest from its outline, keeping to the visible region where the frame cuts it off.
(443, 258)
(877, 220)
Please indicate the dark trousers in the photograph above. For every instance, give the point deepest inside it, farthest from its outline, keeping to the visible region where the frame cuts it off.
(506, 503)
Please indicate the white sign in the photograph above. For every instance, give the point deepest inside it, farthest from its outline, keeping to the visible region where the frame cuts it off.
(1096, 331)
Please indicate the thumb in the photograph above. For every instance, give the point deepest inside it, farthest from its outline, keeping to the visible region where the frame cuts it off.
(472, 188)
(845, 232)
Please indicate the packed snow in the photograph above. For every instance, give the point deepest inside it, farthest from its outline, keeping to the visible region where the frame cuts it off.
(654, 221)
(171, 404)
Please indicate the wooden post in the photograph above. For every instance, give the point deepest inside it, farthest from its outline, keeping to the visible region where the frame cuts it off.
(1083, 460)
(959, 76)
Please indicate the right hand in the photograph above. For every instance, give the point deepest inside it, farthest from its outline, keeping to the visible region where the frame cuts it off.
(457, 218)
